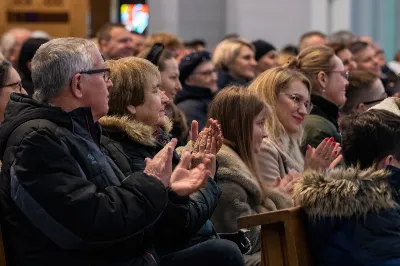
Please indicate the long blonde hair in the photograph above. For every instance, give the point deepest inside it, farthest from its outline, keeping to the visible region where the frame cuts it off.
(235, 108)
(267, 86)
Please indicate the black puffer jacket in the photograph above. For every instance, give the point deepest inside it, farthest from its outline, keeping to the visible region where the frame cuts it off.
(185, 216)
(63, 201)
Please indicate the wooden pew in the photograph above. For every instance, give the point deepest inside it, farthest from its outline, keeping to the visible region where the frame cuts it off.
(2, 253)
(283, 240)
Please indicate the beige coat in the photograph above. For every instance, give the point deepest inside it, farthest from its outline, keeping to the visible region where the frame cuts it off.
(241, 196)
(273, 163)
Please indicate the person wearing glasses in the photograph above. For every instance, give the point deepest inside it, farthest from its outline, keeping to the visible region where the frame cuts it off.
(199, 85)
(364, 91)
(287, 93)
(10, 82)
(328, 78)
(64, 201)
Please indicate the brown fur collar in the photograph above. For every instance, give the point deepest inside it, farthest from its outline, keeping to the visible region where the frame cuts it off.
(344, 192)
(232, 168)
(137, 131)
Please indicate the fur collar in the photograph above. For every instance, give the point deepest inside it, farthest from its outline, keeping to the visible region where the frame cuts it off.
(135, 130)
(344, 192)
(232, 168)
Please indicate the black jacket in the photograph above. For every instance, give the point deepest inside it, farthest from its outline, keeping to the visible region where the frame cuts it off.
(225, 80)
(353, 218)
(184, 216)
(63, 201)
(193, 102)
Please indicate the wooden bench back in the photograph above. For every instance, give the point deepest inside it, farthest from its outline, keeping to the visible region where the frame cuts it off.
(283, 237)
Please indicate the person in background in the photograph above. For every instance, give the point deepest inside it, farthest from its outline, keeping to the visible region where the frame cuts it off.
(266, 56)
(115, 41)
(171, 43)
(365, 90)
(312, 38)
(72, 205)
(11, 42)
(345, 55)
(199, 82)
(287, 53)
(138, 40)
(10, 82)
(353, 213)
(196, 45)
(234, 60)
(342, 37)
(28, 50)
(170, 85)
(287, 93)
(365, 57)
(395, 64)
(242, 117)
(137, 127)
(328, 78)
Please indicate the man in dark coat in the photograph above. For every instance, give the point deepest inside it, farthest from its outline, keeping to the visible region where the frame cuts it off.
(63, 201)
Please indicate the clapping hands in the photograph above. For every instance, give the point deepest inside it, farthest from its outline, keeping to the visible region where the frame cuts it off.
(325, 156)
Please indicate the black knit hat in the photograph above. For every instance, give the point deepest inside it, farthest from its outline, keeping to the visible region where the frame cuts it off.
(190, 62)
(262, 48)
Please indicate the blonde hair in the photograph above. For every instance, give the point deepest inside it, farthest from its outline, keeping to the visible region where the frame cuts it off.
(235, 108)
(313, 60)
(227, 51)
(267, 86)
(130, 76)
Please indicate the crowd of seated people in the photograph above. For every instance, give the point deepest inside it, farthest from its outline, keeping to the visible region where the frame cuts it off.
(145, 150)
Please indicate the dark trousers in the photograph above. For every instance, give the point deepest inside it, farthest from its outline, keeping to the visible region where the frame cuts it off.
(215, 252)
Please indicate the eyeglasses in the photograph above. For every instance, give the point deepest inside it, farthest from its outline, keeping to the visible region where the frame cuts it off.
(17, 85)
(298, 101)
(106, 73)
(344, 74)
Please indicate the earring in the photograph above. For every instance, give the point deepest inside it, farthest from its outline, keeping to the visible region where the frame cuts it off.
(323, 91)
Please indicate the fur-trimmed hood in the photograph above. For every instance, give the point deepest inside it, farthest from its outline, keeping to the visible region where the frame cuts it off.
(137, 131)
(341, 193)
(232, 168)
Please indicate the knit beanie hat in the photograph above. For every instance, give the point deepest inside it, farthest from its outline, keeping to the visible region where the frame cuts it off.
(262, 48)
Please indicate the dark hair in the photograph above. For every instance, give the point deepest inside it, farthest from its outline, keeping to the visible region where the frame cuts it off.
(357, 47)
(4, 71)
(359, 89)
(195, 42)
(104, 32)
(369, 137)
(28, 50)
(337, 47)
(290, 49)
(157, 54)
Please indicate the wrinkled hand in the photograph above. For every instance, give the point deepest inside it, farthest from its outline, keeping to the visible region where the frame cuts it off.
(326, 155)
(286, 184)
(183, 181)
(211, 145)
(160, 166)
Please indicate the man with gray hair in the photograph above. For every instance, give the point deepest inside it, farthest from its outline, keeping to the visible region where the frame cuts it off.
(63, 200)
(11, 43)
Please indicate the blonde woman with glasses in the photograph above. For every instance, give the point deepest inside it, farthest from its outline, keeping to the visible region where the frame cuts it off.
(287, 93)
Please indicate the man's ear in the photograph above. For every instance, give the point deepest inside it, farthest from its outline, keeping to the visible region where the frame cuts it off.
(361, 108)
(131, 109)
(322, 79)
(76, 86)
(385, 162)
